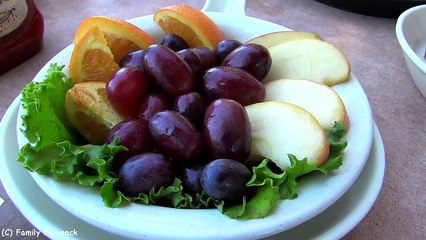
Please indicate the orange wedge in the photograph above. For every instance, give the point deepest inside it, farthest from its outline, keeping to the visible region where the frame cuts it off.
(91, 59)
(196, 28)
(122, 37)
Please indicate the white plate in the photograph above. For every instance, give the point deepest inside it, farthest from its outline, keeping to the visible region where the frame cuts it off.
(86, 204)
(51, 219)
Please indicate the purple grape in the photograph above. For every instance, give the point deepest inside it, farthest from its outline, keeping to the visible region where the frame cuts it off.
(192, 106)
(226, 179)
(232, 83)
(125, 90)
(132, 59)
(253, 58)
(190, 177)
(206, 55)
(144, 172)
(174, 42)
(227, 130)
(168, 70)
(175, 136)
(132, 134)
(151, 104)
(224, 47)
(193, 61)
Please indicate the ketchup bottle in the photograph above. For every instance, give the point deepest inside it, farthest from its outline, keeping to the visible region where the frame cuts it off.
(21, 32)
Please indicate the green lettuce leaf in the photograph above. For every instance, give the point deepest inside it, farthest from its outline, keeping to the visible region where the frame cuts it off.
(299, 168)
(51, 150)
(266, 195)
(171, 196)
(334, 136)
(260, 205)
(44, 118)
(110, 196)
(88, 164)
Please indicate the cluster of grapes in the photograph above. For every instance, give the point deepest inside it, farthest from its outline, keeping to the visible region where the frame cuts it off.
(185, 116)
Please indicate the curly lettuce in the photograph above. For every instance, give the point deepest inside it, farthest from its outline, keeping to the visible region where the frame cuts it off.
(52, 147)
(55, 149)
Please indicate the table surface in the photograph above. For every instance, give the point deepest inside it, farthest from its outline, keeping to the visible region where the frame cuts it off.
(376, 60)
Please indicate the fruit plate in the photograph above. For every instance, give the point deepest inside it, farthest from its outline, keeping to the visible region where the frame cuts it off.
(52, 220)
(316, 192)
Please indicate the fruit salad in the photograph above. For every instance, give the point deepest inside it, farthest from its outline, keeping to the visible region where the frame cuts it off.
(193, 121)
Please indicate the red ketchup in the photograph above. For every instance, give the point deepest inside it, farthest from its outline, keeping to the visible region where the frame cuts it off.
(21, 32)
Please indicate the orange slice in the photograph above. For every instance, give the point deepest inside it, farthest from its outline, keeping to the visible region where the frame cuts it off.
(91, 59)
(122, 37)
(196, 28)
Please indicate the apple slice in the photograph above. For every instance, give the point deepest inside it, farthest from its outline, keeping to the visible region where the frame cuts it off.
(90, 112)
(310, 59)
(271, 39)
(319, 99)
(280, 128)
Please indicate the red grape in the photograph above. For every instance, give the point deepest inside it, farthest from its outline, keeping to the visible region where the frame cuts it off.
(227, 130)
(132, 134)
(192, 106)
(132, 59)
(232, 83)
(224, 47)
(174, 42)
(125, 90)
(253, 58)
(168, 70)
(175, 136)
(206, 55)
(151, 104)
(193, 61)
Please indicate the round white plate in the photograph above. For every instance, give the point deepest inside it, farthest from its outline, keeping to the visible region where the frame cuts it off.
(51, 219)
(168, 223)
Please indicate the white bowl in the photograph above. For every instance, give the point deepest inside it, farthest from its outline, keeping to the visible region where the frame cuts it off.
(411, 35)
